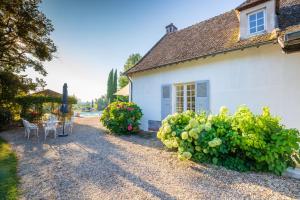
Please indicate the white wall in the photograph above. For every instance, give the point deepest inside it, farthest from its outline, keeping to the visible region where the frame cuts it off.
(256, 77)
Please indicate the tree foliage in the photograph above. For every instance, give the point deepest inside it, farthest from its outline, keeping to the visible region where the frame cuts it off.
(132, 60)
(11, 85)
(24, 43)
(110, 81)
(112, 86)
(115, 85)
(24, 36)
(101, 103)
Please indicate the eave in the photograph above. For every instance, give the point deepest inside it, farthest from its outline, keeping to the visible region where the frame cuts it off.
(204, 56)
(290, 42)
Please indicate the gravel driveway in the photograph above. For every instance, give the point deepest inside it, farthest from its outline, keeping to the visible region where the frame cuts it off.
(89, 164)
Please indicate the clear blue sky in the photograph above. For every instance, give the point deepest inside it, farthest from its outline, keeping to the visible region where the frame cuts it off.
(94, 36)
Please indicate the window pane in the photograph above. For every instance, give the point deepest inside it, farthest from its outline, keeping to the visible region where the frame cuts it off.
(252, 17)
(259, 22)
(260, 15)
(253, 24)
(179, 98)
(253, 30)
(260, 28)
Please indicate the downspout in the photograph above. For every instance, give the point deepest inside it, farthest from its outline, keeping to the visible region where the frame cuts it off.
(130, 89)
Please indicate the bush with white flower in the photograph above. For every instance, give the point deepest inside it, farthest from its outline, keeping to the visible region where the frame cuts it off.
(242, 141)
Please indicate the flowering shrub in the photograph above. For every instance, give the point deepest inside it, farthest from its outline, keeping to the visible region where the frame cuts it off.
(122, 117)
(242, 141)
(32, 115)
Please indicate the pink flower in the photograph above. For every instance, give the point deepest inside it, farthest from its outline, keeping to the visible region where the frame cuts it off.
(129, 128)
(130, 109)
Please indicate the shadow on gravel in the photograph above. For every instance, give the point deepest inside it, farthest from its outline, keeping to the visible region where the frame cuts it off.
(147, 139)
(99, 163)
(108, 169)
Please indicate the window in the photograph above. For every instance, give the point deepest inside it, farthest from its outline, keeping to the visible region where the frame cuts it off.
(190, 96)
(185, 97)
(179, 98)
(256, 22)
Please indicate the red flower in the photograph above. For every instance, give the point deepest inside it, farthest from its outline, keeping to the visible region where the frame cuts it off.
(129, 127)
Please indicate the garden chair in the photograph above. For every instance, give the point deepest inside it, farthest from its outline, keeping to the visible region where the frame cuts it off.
(28, 127)
(52, 118)
(69, 124)
(50, 126)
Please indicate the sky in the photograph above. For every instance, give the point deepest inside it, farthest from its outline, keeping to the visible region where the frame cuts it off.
(94, 36)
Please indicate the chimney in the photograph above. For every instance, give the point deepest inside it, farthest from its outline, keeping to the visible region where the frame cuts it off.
(171, 28)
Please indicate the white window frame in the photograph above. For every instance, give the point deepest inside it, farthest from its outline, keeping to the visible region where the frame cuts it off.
(184, 95)
(265, 22)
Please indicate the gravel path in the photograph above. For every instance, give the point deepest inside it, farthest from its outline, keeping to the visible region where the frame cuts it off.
(91, 165)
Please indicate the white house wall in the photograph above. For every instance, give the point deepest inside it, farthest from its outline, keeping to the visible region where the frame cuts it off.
(256, 77)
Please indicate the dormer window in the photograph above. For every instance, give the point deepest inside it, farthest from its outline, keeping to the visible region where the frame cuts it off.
(257, 23)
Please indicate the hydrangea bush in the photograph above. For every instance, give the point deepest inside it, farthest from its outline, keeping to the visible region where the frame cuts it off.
(242, 141)
(122, 117)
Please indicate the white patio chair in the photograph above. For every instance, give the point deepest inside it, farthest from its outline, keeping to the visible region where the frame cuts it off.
(69, 124)
(52, 118)
(50, 126)
(28, 127)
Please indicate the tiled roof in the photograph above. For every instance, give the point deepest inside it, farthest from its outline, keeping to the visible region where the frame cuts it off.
(217, 35)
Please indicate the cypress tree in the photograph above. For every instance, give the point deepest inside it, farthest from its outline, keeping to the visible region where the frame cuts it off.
(115, 81)
(110, 83)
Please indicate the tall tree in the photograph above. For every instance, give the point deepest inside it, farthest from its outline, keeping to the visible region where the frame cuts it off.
(131, 61)
(115, 86)
(110, 82)
(24, 36)
(24, 42)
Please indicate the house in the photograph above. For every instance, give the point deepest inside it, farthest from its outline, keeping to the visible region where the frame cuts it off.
(249, 55)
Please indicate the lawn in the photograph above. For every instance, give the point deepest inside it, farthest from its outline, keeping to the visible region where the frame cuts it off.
(8, 172)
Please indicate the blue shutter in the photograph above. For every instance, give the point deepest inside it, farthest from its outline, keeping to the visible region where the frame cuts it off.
(166, 101)
(202, 96)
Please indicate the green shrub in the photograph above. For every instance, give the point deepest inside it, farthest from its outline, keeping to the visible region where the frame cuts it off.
(122, 117)
(6, 118)
(242, 141)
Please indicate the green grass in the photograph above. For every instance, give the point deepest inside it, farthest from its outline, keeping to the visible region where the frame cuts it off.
(8, 172)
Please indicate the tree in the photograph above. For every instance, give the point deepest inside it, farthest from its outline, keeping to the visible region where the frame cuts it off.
(115, 86)
(24, 42)
(11, 85)
(24, 36)
(131, 61)
(110, 81)
(101, 103)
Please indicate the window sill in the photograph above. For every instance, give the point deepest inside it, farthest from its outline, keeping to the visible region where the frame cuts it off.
(256, 34)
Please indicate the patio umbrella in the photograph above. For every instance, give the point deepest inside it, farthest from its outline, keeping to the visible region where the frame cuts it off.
(64, 107)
